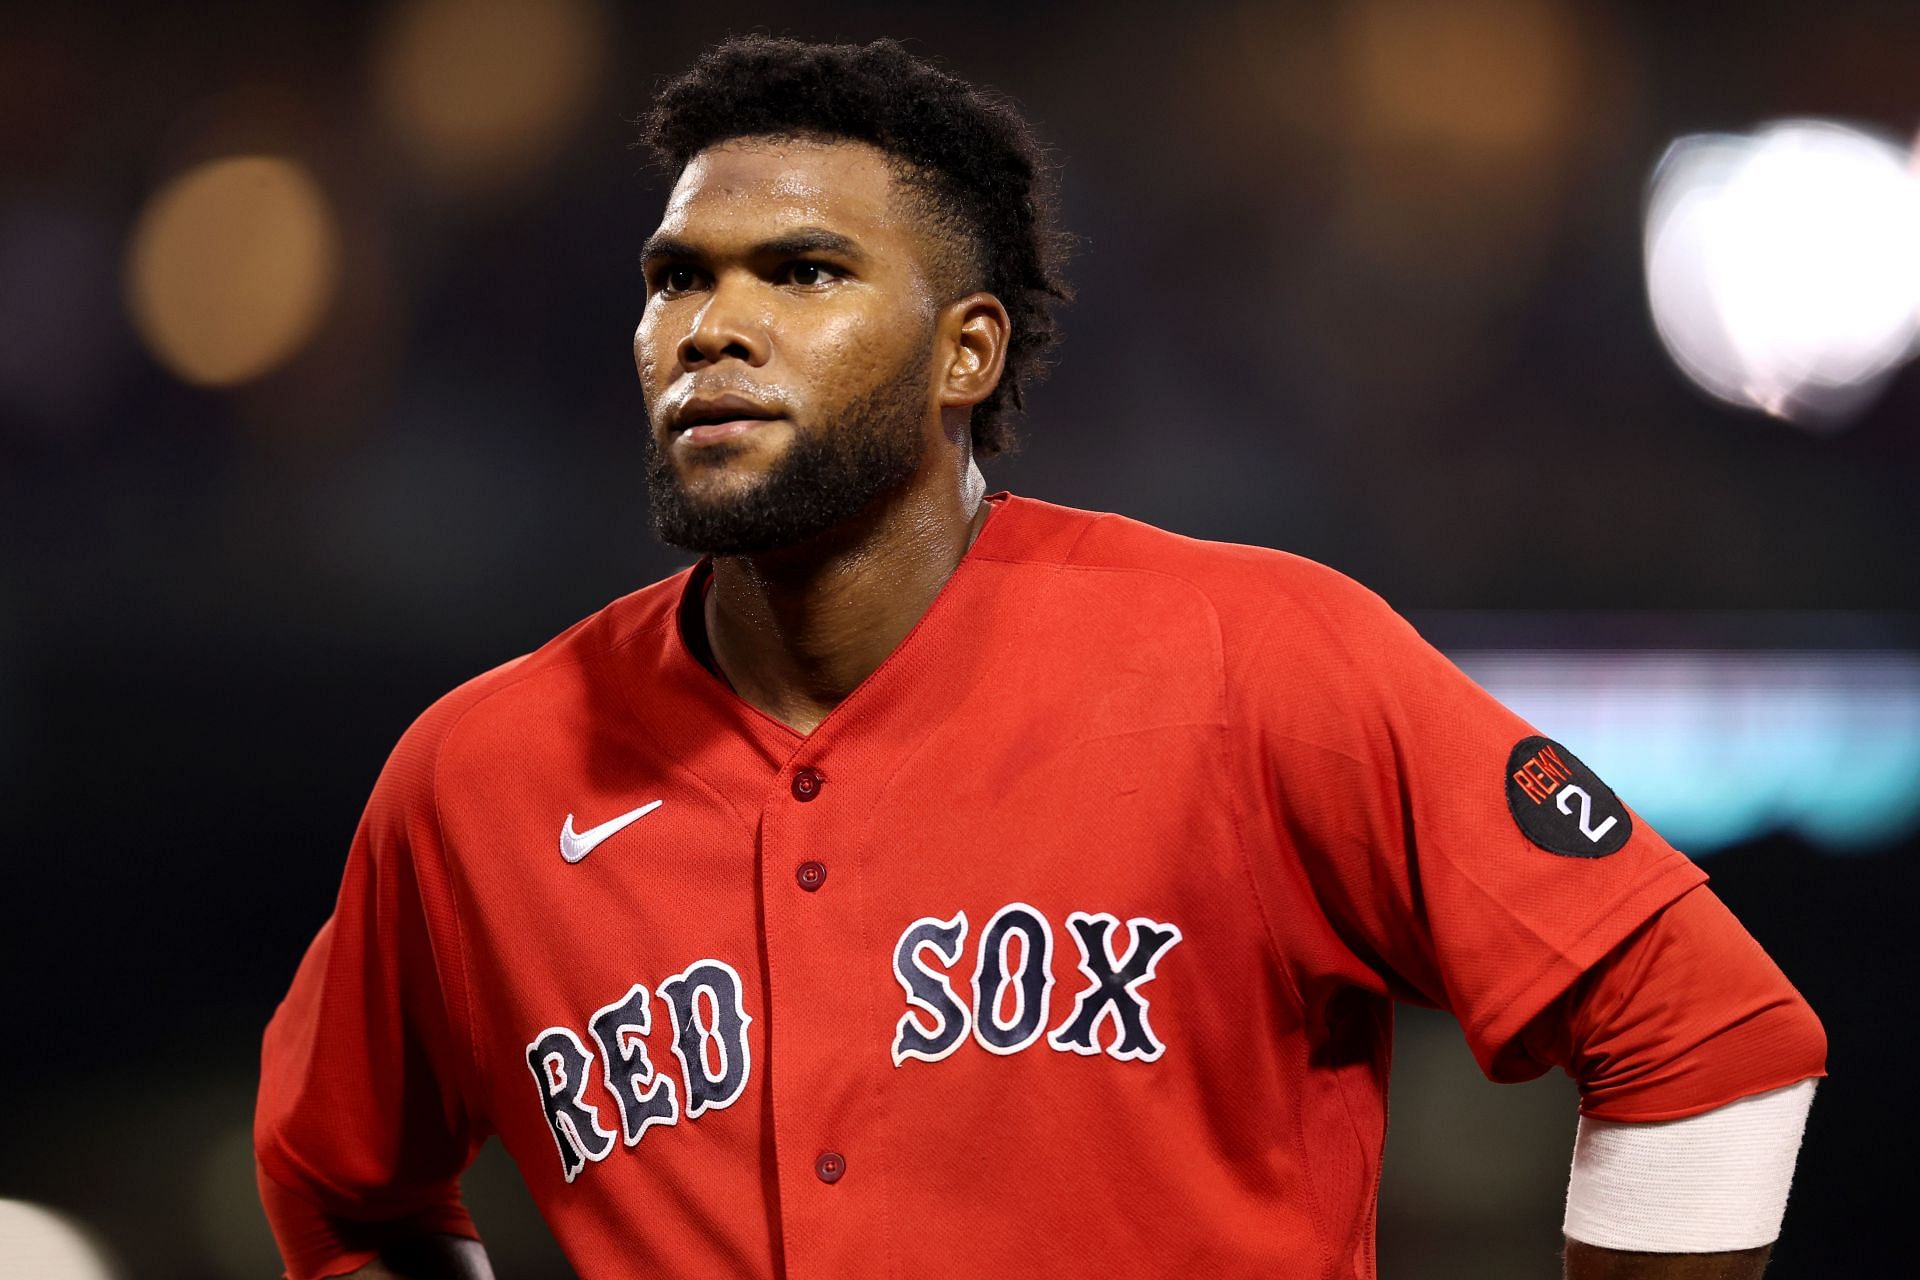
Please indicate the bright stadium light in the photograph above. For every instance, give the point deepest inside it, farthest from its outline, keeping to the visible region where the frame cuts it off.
(1783, 268)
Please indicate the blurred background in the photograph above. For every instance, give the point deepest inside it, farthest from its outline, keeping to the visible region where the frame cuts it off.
(316, 398)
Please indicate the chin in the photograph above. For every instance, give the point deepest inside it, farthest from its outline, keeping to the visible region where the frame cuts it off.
(718, 481)
(725, 455)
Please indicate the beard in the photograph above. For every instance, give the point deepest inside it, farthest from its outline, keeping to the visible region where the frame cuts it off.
(825, 477)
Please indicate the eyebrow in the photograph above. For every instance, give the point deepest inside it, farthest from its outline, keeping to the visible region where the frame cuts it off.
(803, 241)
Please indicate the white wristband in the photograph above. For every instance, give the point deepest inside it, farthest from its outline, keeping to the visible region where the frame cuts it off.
(1710, 1183)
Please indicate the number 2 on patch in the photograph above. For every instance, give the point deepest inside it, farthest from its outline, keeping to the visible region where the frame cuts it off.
(1591, 832)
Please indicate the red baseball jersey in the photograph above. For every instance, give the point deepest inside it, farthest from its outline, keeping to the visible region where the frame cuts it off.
(1064, 946)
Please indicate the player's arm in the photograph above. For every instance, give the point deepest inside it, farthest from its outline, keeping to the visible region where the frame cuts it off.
(1697, 1062)
(1464, 861)
(364, 1124)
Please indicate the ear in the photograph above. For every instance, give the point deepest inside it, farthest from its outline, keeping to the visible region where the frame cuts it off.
(973, 335)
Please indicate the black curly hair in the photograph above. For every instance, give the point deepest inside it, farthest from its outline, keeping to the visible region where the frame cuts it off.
(965, 156)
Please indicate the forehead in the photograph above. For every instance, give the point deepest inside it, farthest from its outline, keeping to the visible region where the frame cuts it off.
(749, 187)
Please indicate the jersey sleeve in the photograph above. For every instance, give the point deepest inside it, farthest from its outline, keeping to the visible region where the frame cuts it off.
(1449, 853)
(1685, 1016)
(366, 1065)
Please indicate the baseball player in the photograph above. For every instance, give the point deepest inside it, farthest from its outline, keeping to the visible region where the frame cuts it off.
(934, 882)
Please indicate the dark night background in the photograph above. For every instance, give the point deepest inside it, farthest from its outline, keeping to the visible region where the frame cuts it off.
(1362, 281)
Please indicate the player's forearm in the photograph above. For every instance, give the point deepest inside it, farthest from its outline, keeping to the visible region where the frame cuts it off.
(430, 1257)
(1590, 1262)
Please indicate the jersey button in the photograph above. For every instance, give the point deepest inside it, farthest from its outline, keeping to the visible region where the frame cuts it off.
(811, 875)
(806, 784)
(829, 1165)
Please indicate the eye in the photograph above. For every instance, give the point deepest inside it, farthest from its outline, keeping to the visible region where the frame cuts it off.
(809, 274)
(669, 279)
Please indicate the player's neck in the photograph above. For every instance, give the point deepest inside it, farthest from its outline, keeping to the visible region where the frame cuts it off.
(796, 631)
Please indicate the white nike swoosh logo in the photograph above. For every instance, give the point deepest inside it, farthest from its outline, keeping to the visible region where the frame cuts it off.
(575, 845)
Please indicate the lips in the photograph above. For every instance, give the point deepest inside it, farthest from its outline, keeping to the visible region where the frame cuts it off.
(709, 432)
(720, 411)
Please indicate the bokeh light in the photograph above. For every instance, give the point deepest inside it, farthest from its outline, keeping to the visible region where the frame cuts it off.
(231, 268)
(482, 92)
(40, 1243)
(1783, 269)
(1496, 76)
(1452, 135)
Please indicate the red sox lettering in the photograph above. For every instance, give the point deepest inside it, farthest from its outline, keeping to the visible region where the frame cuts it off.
(941, 1024)
(562, 1067)
(1006, 1011)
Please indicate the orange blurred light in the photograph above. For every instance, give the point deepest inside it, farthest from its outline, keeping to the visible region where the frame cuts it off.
(231, 267)
(1460, 123)
(480, 92)
(1479, 75)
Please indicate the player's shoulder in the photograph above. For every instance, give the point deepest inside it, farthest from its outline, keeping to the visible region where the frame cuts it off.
(1257, 594)
(1303, 651)
(511, 705)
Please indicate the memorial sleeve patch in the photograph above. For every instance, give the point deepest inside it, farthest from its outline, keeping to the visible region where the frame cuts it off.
(1560, 804)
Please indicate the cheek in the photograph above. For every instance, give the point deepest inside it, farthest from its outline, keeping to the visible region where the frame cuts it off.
(846, 354)
(648, 359)
(643, 338)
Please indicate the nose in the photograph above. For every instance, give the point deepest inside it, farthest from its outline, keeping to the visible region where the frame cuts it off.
(727, 325)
